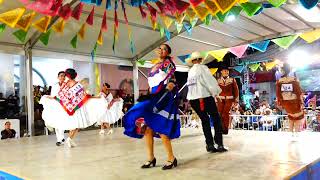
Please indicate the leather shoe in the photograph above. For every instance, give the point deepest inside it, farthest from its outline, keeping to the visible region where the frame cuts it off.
(211, 149)
(221, 149)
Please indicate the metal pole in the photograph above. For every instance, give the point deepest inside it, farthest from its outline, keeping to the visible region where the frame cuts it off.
(29, 91)
(92, 79)
(135, 81)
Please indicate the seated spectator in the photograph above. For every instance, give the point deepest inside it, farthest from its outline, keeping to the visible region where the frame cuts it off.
(3, 106)
(8, 132)
(268, 120)
(315, 123)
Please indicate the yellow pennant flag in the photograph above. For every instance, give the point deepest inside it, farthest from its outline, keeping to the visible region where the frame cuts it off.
(25, 21)
(167, 21)
(311, 36)
(11, 17)
(213, 70)
(270, 65)
(100, 39)
(154, 24)
(212, 7)
(242, 1)
(191, 14)
(97, 78)
(42, 24)
(201, 12)
(1, 1)
(155, 61)
(225, 5)
(219, 54)
(59, 27)
(180, 17)
(82, 31)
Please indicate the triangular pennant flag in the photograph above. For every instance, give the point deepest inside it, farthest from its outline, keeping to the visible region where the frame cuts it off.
(20, 35)
(100, 38)
(238, 50)
(11, 17)
(25, 21)
(188, 28)
(196, 2)
(193, 22)
(208, 20)
(42, 24)
(259, 11)
(153, 23)
(65, 11)
(179, 27)
(142, 12)
(155, 61)
(201, 12)
(180, 17)
(254, 67)
(99, 2)
(277, 3)
(169, 7)
(59, 27)
(251, 8)
(161, 31)
(168, 34)
(213, 70)
(183, 58)
(242, 1)
(82, 31)
(108, 5)
(1, 1)
(41, 6)
(94, 52)
(285, 42)
(44, 38)
(308, 4)
(235, 11)
(76, 13)
(190, 13)
(219, 54)
(221, 17)
(238, 68)
(90, 17)
(74, 41)
(212, 7)
(180, 5)
(104, 26)
(141, 62)
(167, 21)
(161, 7)
(225, 5)
(2, 27)
(270, 65)
(55, 8)
(260, 46)
(153, 11)
(311, 36)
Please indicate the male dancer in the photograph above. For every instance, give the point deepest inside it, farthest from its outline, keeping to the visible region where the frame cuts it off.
(229, 96)
(54, 92)
(202, 88)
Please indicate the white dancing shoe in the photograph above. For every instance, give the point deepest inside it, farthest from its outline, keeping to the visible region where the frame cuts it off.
(73, 144)
(101, 132)
(68, 143)
(110, 132)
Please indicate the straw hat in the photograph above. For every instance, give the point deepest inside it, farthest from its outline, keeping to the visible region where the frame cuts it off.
(194, 56)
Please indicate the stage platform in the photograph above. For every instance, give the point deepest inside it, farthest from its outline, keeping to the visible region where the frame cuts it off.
(253, 155)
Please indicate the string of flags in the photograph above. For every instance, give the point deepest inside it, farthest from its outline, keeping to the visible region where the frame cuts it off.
(159, 12)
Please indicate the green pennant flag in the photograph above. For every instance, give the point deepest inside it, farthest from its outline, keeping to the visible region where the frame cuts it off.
(285, 42)
(179, 27)
(161, 31)
(193, 22)
(2, 27)
(254, 67)
(20, 35)
(235, 10)
(221, 17)
(208, 20)
(74, 41)
(251, 8)
(141, 62)
(277, 3)
(44, 38)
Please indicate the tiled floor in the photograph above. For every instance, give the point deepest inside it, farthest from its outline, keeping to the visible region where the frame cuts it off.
(253, 155)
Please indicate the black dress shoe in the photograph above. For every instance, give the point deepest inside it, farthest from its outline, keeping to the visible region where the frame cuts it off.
(170, 166)
(63, 140)
(58, 143)
(221, 149)
(211, 149)
(149, 163)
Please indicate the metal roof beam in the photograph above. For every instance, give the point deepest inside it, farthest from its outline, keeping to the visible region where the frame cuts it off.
(297, 17)
(283, 24)
(199, 41)
(222, 33)
(257, 23)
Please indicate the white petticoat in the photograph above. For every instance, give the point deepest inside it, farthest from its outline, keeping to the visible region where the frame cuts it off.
(55, 116)
(113, 114)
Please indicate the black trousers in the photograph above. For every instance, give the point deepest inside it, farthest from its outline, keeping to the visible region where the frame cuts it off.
(210, 109)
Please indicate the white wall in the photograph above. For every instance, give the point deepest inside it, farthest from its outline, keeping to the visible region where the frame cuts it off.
(6, 74)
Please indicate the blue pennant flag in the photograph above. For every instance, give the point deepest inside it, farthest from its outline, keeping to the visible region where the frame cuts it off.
(264, 6)
(168, 34)
(99, 2)
(309, 4)
(238, 68)
(132, 47)
(260, 46)
(188, 28)
(183, 58)
(108, 5)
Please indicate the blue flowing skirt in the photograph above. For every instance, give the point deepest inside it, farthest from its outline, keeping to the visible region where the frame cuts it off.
(160, 114)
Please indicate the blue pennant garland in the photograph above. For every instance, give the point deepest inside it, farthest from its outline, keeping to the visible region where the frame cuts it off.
(168, 34)
(99, 2)
(108, 5)
(260, 46)
(308, 4)
(188, 28)
(183, 58)
(238, 68)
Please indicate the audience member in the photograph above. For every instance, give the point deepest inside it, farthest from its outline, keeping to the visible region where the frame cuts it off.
(8, 132)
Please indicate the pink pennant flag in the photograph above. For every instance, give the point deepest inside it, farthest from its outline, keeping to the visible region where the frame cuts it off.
(143, 14)
(180, 5)
(55, 8)
(90, 17)
(169, 7)
(65, 11)
(41, 6)
(104, 26)
(160, 6)
(239, 50)
(76, 13)
(153, 12)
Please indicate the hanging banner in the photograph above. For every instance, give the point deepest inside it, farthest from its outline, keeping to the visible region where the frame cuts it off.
(254, 67)
(167, 21)
(270, 65)
(74, 41)
(213, 70)
(20, 35)
(25, 21)
(224, 5)
(168, 34)
(179, 27)
(100, 38)
(201, 12)
(238, 68)
(153, 12)
(44, 38)
(219, 54)
(11, 17)
(191, 14)
(285, 42)
(212, 7)
(277, 3)
(260, 46)
(90, 17)
(221, 17)
(188, 28)
(196, 2)
(104, 26)
(76, 13)
(311, 36)
(180, 5)
(59, 26)
(208, 20)
(42, 24)
(2, 27)
(183, 58)
(82, 31)
(180, 17)
(308, 4)
(239, 50)
(251, 8)
(65, 11)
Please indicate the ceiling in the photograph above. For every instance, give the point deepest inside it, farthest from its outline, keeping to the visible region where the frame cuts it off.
(273, 22)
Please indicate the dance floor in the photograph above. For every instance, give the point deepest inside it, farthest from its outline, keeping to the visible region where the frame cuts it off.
(253, 155)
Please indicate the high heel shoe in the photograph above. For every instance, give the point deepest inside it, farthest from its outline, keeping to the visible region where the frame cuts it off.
(170, 166)
(149, 163)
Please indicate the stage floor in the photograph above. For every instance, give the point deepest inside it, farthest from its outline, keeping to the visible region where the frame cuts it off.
(253, 155)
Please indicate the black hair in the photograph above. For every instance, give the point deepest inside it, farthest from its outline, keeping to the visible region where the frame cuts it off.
(286, 68)
(71, 73)
(61, 72)
(106, 84)
(168, 47)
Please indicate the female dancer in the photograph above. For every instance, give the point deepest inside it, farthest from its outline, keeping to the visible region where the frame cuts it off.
(114, 109)
(72, 108)
(157, 116)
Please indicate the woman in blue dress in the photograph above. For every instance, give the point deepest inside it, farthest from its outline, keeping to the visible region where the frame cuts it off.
(157, 116)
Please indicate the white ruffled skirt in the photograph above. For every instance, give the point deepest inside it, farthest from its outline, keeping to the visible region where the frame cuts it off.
(113, 114)
(55, 116)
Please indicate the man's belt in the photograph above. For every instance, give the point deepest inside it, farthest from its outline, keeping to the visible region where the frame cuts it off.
(226, 97)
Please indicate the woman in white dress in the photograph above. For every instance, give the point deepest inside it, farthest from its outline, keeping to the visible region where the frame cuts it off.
(113, 110)
(72, 108)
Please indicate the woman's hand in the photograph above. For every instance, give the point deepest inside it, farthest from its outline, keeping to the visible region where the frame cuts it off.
(170, 86)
